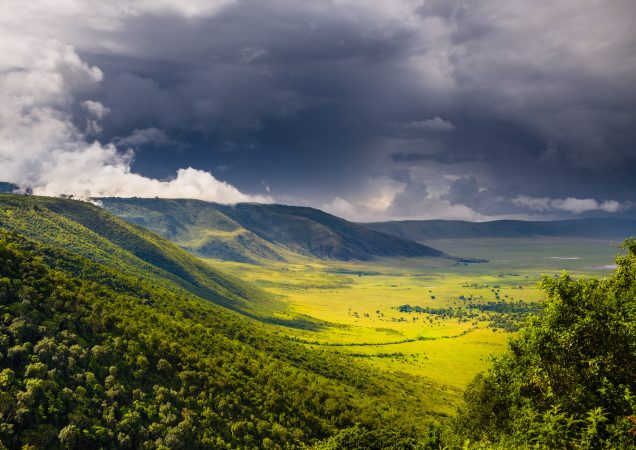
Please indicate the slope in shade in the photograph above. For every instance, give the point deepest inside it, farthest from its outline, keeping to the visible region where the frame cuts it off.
(258, 231)
(197, 227)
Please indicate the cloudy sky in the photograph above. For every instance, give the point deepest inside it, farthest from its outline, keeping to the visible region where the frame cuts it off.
(372, 110)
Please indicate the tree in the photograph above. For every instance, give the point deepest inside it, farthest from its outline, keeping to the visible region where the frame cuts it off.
(569, 378)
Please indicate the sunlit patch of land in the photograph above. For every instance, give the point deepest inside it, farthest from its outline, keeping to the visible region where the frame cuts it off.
(430, 318)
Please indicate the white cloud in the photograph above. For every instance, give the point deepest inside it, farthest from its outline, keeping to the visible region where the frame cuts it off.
(96, 26)
(41, 148)
(547, 82)
(116, 180)
(427, 208)
(95, 109)
(611, 206)
(379, 194)
(188, 8)
(385, 199)
(571, 204)
(341, 208)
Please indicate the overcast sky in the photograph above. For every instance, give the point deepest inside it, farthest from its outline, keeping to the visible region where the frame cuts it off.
(371, 110)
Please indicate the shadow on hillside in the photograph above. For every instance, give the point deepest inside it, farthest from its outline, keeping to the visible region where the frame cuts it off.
(297, 322)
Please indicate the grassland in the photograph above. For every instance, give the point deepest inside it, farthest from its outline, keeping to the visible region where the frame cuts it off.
(465, 310)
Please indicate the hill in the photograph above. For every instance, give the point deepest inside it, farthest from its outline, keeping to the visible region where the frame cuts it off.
(113, 337)
(7, 188)
(91, 232)
(253, 232)
(425, 230)
(197, 226)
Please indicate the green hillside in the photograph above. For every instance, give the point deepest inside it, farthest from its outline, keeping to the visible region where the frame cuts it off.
(197, 226)
(250, 232)
(313, 232)
(91, 232)
(108, 340)
(425, 230)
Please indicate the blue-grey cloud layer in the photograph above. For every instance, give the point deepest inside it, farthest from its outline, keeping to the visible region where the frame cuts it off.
(475, 103)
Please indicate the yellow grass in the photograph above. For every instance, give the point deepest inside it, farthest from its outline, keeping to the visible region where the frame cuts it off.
(356, 302)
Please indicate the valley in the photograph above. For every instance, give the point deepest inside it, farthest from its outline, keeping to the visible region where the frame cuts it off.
(466, 311)
(326, 225)
(113, 333)
(424, 311)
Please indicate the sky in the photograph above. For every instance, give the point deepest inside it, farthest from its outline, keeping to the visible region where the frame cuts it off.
(370, 110)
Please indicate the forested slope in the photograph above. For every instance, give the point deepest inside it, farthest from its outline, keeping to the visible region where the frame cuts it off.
(102, 349)
(87, 230)
(109, 339)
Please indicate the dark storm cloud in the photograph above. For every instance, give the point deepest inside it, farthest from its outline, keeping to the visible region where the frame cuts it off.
(306, 84)
(441, 157)
(407, 201)
(467, 191)
(410, 157)
(481, 103)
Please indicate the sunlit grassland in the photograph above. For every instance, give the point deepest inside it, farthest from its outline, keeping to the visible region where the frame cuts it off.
(357, 302)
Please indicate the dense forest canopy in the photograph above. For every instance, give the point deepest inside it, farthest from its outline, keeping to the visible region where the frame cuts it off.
(119, 364)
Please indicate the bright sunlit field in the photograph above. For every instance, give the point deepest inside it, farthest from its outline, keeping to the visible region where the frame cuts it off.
(431, 318)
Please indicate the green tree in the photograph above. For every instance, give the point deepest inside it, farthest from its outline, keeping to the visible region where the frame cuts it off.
(569, 378)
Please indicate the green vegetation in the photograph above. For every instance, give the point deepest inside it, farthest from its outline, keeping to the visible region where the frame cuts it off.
(114, 337)
(199, 227)
(87, 230)
(362, 302)
(508, 316)
(250, 232)
(358, 304)
(360, 438)
(94, 365)
(567, 380)
(102, 348)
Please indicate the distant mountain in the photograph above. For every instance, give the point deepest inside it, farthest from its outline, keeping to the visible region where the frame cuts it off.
(425, 230)
(253, 232)
(7, 188)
